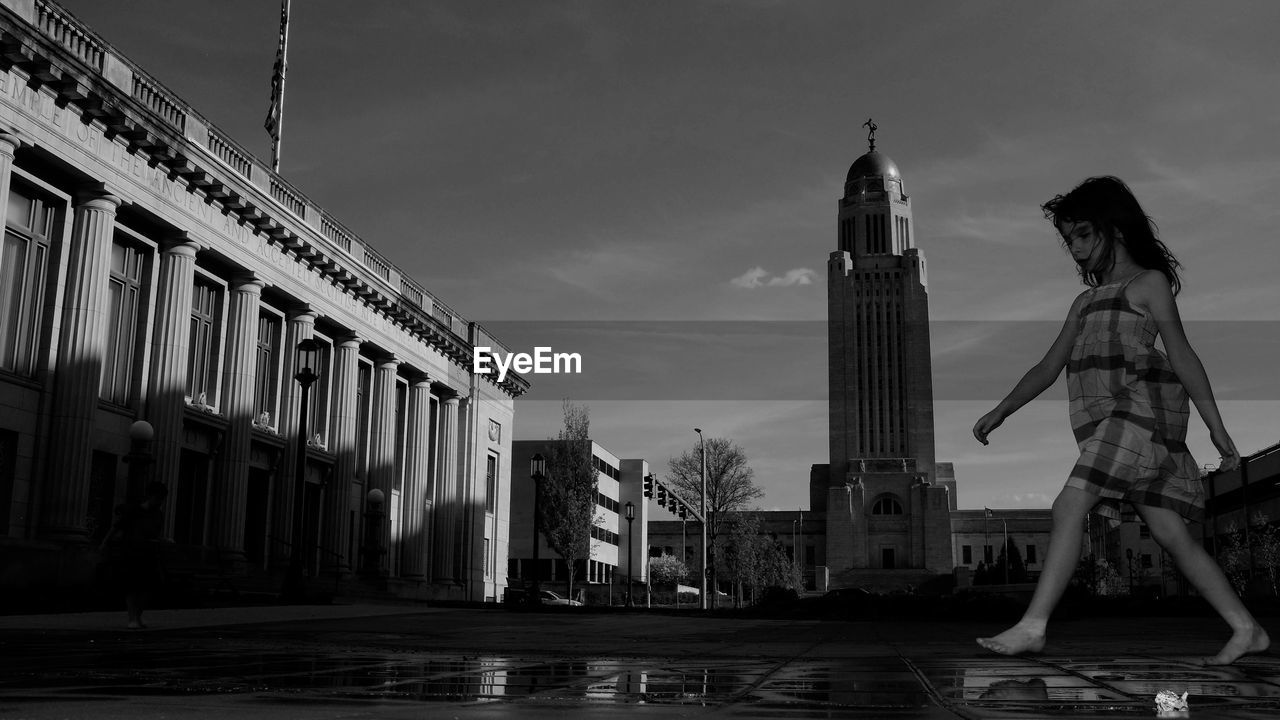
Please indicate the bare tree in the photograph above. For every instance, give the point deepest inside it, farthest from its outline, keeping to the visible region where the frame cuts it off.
(568, 502)
(729, 484)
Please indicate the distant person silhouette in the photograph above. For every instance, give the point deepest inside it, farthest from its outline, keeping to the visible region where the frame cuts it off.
(1129, 409)
(134, 549)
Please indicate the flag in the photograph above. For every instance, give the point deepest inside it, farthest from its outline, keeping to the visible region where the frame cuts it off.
(989, 513)
(276, 112)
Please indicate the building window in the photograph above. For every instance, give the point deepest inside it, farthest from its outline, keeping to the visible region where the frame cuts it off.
(124, 308)
(1146, 561)
(266, 385)
(202, 364)
(966, 555)
(488, 561)
(491, 485)
(1031, 554)
(318, 402)
(887, 506)
(24, 266)
(1144, 532)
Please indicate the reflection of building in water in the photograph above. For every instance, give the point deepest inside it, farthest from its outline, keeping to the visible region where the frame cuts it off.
(154, 270)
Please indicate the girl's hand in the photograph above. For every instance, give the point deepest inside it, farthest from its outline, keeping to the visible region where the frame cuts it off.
(986, 424)
(1230, 456)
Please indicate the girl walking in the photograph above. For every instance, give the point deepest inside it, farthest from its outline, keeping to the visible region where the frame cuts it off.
(1129, 409)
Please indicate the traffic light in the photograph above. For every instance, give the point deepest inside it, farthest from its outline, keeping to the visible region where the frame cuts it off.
(662, 495)
(684, 511)
(648, 486)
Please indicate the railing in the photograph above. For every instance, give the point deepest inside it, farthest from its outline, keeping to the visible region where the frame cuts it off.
(288, 198)
(377, 264)
(442, 315)
(410, 291)
(65, 32)
(160, 103)
(230, 155)
(330, 229)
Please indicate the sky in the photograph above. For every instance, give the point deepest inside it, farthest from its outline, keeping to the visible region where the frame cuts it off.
(654, 185)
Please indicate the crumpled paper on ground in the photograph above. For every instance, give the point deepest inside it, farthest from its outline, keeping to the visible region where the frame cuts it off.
(1171, 705)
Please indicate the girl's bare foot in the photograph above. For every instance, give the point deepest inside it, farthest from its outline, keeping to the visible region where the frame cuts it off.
(1016, 640)
(1242, 642)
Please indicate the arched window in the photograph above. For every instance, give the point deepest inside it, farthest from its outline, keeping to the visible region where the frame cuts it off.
(887, 506)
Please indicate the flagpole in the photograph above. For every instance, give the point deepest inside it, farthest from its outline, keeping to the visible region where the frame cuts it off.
(275, 116)
(1008, 557)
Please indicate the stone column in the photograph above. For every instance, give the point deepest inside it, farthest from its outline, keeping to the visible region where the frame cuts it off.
(301, 326)
(81, 347)
(464, 554)
(414, 500)
(446, 505)
(382, 447)
(238, 379)
(8, 145)
(169, 350)
(335, 539)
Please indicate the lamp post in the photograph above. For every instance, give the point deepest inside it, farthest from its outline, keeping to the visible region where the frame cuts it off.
(702, 452)
(631, 554)
(1129, 553)
(308, 351)
(538, 473)
(141, 433)
(373, 532)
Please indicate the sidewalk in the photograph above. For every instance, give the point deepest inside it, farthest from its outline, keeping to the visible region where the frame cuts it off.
(382, 661)
(177, 619)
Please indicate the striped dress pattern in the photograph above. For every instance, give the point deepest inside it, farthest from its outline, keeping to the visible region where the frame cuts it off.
(1129, 412)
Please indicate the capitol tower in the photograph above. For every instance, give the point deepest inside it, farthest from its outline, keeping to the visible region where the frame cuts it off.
(887, 510)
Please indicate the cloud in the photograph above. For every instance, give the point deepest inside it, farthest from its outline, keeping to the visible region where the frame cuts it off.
(759, 277)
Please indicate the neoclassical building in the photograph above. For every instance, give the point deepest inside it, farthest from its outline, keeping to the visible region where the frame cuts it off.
(152, 270)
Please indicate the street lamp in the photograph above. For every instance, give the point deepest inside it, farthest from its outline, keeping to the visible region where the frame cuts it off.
(631, 516)
(702, 452)
(1129, 553)
(308, 352)
(373, 531)
(141, 433)
(538, 473)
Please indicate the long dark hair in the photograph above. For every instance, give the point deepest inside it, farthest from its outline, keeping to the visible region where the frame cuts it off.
(1109, 205)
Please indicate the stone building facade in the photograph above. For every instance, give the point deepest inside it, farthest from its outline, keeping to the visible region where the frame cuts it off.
(153, 270)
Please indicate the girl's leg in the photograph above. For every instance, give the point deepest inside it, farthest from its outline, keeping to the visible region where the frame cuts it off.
(1069, 510)
(1169, 530)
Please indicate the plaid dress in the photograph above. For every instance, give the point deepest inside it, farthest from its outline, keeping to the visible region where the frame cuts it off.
(1129, 412)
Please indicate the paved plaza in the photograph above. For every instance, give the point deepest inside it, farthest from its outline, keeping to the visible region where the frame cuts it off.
(387, 661)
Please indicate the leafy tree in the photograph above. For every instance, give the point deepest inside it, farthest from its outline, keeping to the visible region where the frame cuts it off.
(1011, 557)
(754, 559)
(667, 570)
(1234, 558)
(568, 495)
(1266, 549)
(729, 485)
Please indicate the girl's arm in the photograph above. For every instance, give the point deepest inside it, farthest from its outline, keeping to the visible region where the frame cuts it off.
(1152, 293)
(1039, 378)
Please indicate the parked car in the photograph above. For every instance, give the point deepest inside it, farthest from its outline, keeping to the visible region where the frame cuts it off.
(522, 596)
(551, 598)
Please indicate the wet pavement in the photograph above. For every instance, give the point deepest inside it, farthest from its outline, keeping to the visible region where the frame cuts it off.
(413, 662)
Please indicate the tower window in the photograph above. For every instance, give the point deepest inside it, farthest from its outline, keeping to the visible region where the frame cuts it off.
(887, 506)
